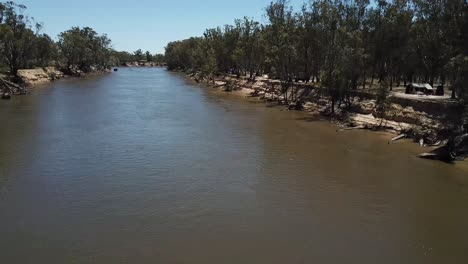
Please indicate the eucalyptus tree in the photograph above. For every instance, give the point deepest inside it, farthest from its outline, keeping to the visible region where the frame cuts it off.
(339, 43)
(159, 58)
(21, 45)
(304, 32)
(84, 47)
(149, 57)
(46, 50)
(249, 53)
(216, 39)
(138, 54)
(281, 50)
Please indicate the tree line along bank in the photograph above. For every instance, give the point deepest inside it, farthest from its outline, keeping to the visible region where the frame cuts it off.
(342, 45)
(343, 49)
(24, 46)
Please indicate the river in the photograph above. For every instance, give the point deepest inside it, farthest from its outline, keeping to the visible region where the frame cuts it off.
(142, 166)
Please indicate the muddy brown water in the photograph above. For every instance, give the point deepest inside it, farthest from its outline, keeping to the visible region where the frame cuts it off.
(140, 166)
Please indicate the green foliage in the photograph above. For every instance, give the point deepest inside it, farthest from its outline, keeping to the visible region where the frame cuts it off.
(84, 47)
(339, 44)
(159, 58)
(382, 101)
(47, 50)
(121, 57)
(21, 45)
(184, 55)
(207, 62)
(149, 57)
(138, 55)
(280, 35)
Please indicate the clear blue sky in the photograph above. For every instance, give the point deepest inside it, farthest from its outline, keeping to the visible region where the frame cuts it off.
(145, 24)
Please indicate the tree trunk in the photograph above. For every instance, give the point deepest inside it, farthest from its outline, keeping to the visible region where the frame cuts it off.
(333, 105)
(354, 83)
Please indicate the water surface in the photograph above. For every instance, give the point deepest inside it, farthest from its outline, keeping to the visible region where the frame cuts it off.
(140, 166)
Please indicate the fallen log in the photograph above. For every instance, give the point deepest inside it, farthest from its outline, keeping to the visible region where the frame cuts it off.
(345, 129)
(398, 137)
(442, 154)
(455, 148)
(11, 84)
(13, 88)
(436, 144)
(350, 128)
(298, 106)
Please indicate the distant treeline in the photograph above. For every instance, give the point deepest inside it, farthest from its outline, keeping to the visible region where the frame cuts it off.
(22, 45)
(341, 44)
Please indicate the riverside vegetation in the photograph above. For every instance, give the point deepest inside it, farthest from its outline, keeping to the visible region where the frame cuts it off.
(78, 50)
(348, 59)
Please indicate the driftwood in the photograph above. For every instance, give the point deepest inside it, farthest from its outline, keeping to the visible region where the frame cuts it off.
(443, 154)
(347, 129)
(436, 144)
(421, 142)
(455, 148)
(298, 106)
(350, 128)
(11, 88)
(398, 137)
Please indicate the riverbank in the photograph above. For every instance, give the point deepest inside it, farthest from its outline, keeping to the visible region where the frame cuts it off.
(143, 64)
(30, 78)
(427, 120)
(37, 76)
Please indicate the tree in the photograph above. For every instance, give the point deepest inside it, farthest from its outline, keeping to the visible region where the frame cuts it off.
(382, 102)
(46, 50)
(339, 44)
(17, 38)
(149, 57)
(159, 58)
(138, 55)
(280, 35)
(84, 47)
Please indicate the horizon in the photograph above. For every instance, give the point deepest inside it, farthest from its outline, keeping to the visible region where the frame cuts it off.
(150, 26)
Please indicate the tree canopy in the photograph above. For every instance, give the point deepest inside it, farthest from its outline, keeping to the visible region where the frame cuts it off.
(340, 44)
(22, 45)
(84, 47)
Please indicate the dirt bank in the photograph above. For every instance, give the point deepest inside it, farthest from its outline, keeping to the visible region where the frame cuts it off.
(32, 77)
(424, 119)
(29, 78)
(37, 76)
(143, 64)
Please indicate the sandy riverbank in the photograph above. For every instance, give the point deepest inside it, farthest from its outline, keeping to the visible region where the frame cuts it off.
(424, 119)
(31, 78)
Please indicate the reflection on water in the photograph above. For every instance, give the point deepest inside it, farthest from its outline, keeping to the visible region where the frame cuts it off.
(140, 166)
